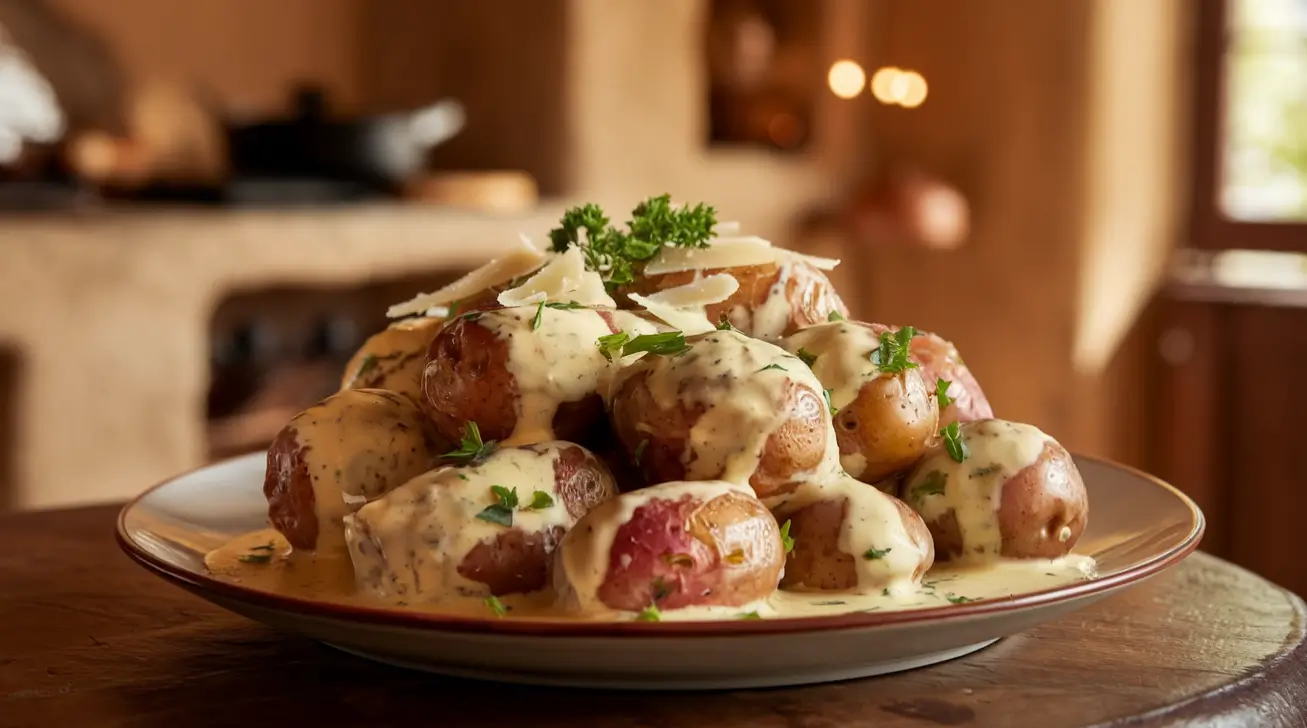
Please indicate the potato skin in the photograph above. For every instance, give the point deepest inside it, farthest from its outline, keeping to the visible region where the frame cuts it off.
(816, 562)
(810, 297)
(891, 423)
(393, 359)
(334, 445)
(1037, 503)
(467, 378)
(796, 446)
(938, 359)
(725, 550)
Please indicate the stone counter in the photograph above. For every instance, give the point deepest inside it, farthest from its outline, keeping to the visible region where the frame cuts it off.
(108, 315)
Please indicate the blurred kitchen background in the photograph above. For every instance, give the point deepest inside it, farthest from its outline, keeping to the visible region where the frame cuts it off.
(205, 206)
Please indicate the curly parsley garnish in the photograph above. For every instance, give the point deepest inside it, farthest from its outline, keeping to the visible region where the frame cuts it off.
(650, 614)
(874, 553)
(941, 392)
(892, 354)
(786, 540)
(471, 449)
(807, 357)
(953, 442)
(615, 254)
(496, 606)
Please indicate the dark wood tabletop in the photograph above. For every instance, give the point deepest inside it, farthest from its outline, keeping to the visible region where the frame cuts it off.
(87, 638)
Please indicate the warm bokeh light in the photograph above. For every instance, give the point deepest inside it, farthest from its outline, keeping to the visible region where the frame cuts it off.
(915, 90)
(846, 78)
(892, 85)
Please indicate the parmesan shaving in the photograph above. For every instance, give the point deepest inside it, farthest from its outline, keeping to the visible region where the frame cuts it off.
(687, 321)
(564, 278)
(699, 293)
(813, 260)
(516, 262)
(723, 253)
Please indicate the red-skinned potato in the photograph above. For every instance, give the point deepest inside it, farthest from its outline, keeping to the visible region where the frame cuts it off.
(773, 300)
(851, 536)
(352, 447)
(939, 359)
(449, 534)
(671, 546)
(730, 408)
(1016, 494)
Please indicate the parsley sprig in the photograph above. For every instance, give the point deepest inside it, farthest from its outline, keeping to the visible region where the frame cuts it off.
(615, 254)
(501, 512)
(953, 442)
(472, 448)
(892, 354)
(941, 392)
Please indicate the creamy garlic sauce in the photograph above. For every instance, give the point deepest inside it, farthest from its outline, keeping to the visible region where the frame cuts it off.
(350, 464)
(583, 557)
(306, 576)
(972, 489)
(394, 358)
(408, 545)
(769, 321)
(740, 383)
(871, 521)
(556, 363)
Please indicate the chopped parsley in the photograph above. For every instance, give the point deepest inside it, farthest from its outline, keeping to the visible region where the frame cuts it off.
(540, 500)
(750, 615)
(616, 346)
(470, 316)
(932, 484)
(785, 537)
(569, 306)
(501, 512)
(953, 442)
(807, 357)
(834, 316)
(368, 364)
(611, 345)
(471, 449)
(826, 393)
(539, 317)
(507, 498)
(941, 392)
(255, 558)
(264, 547)
(956, 599)
(724, 324)
(496, 606)
(832, 603)
(661, 589)
(639, 450)
(874, 553)
(773, 366)
(614, 253)
(892, 354)
(985, 471)
(650, 614)
(884, 592)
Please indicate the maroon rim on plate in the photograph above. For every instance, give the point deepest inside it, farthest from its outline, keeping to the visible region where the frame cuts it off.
(564, 627)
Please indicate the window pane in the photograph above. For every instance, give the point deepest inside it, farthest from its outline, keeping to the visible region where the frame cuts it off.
(1266, 112)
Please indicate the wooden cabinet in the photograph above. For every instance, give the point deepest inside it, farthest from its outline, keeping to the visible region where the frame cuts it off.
(1230, 428)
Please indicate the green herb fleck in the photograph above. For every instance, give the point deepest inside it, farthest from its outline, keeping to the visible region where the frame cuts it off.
(265, 547)
(953, 442)
(884, 592)
(933, 483)
(750, 615)
(724, 324)
(773, 366)
(985, 471)
(650, 614)
(955, 599)
(661, 589)
(663, 344)
(874, 553)
(785, 537)
(369, 363)
(941, 392)
(807, 357)
(496, 606)
(540, 500)
(497, 514)
(462, 476)
(470, 316)
(569, 306)
(831, 603)
(834, 316)
(892, 354)
(539, 317)
(507, 498)
(611, 345)
(826, 393)
(255, 558)
(472, 448)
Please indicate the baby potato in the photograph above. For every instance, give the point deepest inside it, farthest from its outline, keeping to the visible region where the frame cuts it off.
(999, 490)
(849, 536)
(524, 374)
(393, 359)
(774, 299)
(348, 449)
(886, 413)
(485, 528)
(940, 361)
(671, 546)
(727, 408)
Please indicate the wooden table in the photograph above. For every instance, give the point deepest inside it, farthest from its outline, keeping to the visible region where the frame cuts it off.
(87, 638)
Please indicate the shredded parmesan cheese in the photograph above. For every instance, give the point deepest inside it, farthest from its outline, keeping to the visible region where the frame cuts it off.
(516, 262)
(682, 307)
(815, 261)
(564, 278)
(722, 253)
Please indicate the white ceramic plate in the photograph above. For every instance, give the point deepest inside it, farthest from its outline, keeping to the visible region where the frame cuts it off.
(1138, 526)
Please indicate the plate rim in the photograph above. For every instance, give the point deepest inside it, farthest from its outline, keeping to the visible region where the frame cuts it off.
(433, 621)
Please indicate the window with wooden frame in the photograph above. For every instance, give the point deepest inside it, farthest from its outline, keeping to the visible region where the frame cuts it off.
(1250, 135)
